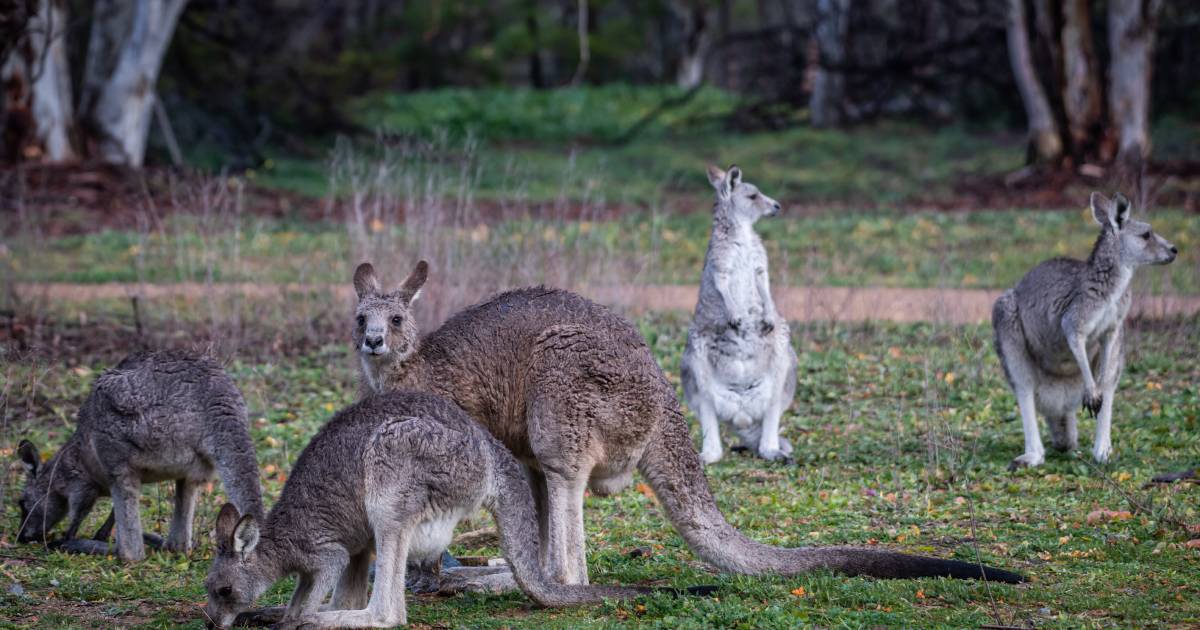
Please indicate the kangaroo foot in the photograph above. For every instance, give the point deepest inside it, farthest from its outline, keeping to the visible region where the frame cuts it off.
(83, 546)
(1185, 475)
(477, 580)
(1028, 459)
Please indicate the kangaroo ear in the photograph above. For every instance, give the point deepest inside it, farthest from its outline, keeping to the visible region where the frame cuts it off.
(734, 175)
(1121, 209)
(29, 457)
(365, 282)
(227, 521)
(411, 289)
(1102, 209)
(245, 535)
(719, 181)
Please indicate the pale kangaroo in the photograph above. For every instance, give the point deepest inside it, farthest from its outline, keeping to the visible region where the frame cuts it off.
(390, 475)
(573, 391)
(1059, 331)
(157, 416)
(738, 367)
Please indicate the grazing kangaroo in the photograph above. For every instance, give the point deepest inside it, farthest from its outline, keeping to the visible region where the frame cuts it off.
(1066, 316)
(419, 465)
(157, 416)
(738, 367)
(572, 390)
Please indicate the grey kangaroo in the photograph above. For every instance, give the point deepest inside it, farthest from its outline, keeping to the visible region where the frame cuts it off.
(1058, 332)
(738, 367)
(572, 390)
(156, 416)
(392, 474)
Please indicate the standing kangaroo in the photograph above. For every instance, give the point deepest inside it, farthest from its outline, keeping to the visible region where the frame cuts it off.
(739, 366)
(157, 416)
(419, 465)
(572, 390)
(1066, 316)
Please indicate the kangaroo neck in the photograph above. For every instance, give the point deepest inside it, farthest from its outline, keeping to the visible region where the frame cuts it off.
(729, 227)
(403, 372)
(1105, 273)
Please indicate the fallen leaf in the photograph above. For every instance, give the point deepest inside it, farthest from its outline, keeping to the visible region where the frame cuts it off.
(799, 591)
(920, 594)
(646, 490)
(1192, 544)
(1102, 516)
(1124, 476)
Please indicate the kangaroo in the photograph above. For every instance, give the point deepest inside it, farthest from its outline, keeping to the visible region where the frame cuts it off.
(156, 416)
(1066, 316)
(738, 366)
(572, 390)
(420, 464)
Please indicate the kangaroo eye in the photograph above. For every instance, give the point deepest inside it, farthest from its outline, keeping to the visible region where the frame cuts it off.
(225, 592)
(397, 320)
(1146, 236)
(362, 321)
(754, 197)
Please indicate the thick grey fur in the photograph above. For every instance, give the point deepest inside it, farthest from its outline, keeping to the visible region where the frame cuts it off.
(738, 367)
(392, 474)
(572, 390)
(156, 416)
(1059, 331)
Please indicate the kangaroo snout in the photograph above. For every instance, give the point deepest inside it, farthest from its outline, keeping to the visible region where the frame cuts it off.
(374, 344)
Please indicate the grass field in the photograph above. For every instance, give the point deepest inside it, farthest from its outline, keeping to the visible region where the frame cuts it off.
(894, 249)
(902, 435)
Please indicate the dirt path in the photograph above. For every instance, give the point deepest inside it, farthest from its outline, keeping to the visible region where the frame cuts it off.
(955, 306)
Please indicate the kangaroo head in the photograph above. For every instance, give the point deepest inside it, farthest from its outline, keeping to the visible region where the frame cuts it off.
(44, 500)
(237, 576)
(384, 329)
(1139, 245)
(738, 199)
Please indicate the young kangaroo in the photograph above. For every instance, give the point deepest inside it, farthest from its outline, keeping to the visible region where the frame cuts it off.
(738, 367)
(1064, 317)
(157, 416)
(418, 466)
(572, 390)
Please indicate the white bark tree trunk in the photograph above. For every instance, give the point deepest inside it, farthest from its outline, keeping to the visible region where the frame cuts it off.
(697, 20)
(1131, 26)
(38, 70)
(128, 41)
(826, 106)
(1044, 141)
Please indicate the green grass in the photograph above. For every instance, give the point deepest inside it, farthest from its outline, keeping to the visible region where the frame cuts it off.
(902, 435)
(893, 249)
(543, 145)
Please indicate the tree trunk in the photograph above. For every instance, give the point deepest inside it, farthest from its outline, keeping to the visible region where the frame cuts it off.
(37, 85)
(697, 21)
(585, 54)
(826, 105)
(1081, 80)
(1045, 145)
(128, 41)
(1131, 26)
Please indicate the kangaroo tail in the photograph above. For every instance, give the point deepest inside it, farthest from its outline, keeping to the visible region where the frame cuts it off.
(673, 470)
(516, 519)
(231, 447)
